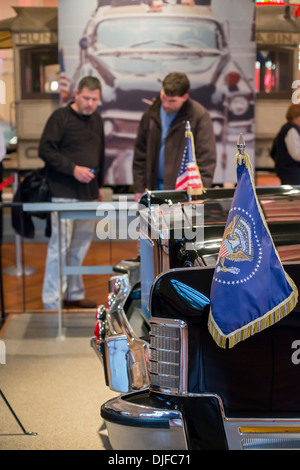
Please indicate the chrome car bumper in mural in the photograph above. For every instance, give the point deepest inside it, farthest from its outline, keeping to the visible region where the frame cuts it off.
(179, 389)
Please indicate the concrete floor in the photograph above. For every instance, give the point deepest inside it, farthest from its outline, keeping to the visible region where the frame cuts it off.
(55, 388)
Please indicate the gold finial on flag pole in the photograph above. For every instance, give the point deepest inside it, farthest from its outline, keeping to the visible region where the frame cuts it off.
(241, 157)
(241, 144)
(187, 128)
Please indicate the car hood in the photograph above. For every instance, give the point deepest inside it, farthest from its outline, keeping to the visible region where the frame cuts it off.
(131, 62)
(143, 73)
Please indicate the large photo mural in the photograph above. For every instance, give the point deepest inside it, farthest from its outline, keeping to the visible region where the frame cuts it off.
(132, 45)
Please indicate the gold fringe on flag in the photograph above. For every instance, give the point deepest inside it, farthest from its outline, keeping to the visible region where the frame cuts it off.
(258, 325)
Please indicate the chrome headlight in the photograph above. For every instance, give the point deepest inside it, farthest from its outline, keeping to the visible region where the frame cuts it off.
(108, 128)
(239, 105)
(218, 127)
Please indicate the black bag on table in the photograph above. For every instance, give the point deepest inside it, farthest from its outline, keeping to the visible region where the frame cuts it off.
(33, 188)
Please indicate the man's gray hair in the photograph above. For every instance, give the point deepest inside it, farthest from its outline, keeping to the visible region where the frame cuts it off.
(92, 83)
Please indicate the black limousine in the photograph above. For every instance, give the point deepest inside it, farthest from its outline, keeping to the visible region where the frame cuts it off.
(178, 388)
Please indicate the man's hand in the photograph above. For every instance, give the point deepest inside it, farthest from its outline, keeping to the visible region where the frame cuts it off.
(83, 174)
(138, 196)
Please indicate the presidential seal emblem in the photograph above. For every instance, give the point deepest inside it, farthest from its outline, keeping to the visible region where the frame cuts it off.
(238, 244)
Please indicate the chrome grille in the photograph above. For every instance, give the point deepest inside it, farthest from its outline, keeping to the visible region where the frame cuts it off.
(126, 126)
(270, 444)
(164, 356)
(168, 356)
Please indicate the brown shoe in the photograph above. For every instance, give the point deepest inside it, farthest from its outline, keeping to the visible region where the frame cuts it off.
(82, 303)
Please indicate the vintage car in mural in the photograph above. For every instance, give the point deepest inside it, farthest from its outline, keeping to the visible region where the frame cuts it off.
(132, 48)
(179, 389)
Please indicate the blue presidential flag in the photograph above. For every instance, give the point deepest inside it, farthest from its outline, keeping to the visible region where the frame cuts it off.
(250, 290)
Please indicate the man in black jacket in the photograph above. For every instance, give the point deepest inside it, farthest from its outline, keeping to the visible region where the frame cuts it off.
(72, 146)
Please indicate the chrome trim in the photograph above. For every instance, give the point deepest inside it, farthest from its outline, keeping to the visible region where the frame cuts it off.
(237, 440)
(116, 353)
(139, 427)
(101, 312)
(95, 346)
(181, 364)
(269, 443)
(124, 356)
(153, 229)
(129, 428)
(116, 320)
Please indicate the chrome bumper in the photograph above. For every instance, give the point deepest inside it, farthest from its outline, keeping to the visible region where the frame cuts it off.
(124, 357)
(124, 361)
(136, 427)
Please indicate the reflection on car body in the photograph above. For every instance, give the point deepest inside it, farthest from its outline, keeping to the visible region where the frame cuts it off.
(132, 64)
(180, 390)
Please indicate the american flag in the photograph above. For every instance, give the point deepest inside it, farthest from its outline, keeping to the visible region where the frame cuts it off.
(189, 178)
(182, 179)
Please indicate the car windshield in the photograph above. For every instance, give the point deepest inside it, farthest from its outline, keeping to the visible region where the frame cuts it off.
(162, 33)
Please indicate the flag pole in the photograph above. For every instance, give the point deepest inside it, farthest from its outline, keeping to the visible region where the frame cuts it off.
(187, 130)
(241, 155)
(241, 144)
